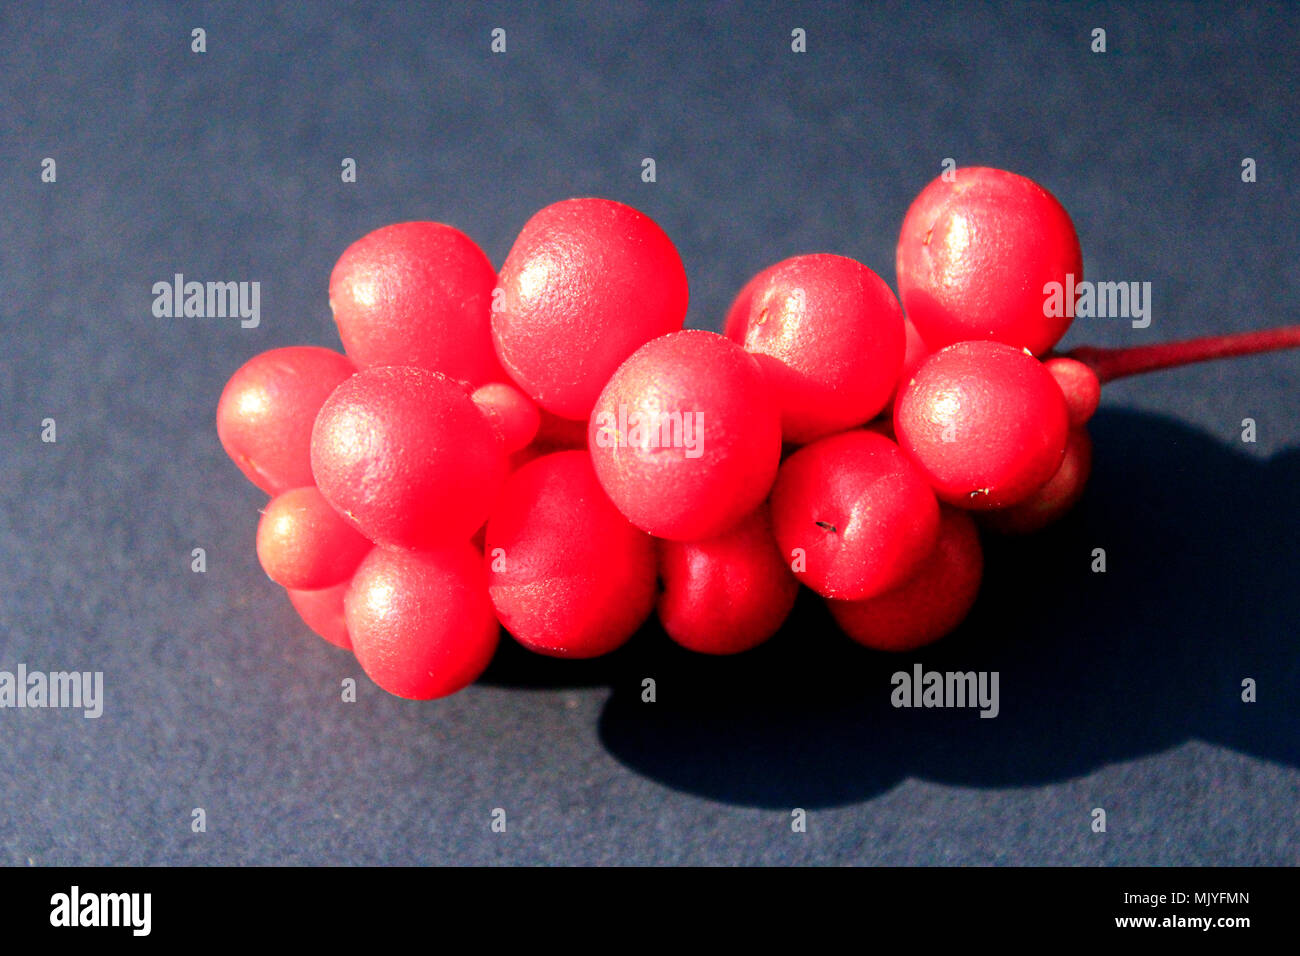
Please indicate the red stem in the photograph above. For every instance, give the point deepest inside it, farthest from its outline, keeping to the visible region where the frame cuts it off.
(1110, 364)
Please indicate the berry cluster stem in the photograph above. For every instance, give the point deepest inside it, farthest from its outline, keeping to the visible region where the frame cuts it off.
(1110, 364)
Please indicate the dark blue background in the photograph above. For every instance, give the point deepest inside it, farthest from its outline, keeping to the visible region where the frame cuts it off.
(1118, 691)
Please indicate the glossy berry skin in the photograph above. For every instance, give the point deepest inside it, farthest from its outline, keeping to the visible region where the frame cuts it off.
(975, 254)
(928, 605)
(1080, 386)
(417, 293)
(567, 574)
(266, 410)
(406, 456)
(852, 515)
(829, 334)
(421, 624)
(511, 413)
(985, 422)
(686, 438)
(1055, 499)
(304, 544)
(586, 283)
(322, 611)
(726, 594)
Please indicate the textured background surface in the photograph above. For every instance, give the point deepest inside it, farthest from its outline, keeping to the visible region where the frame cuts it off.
(1117, 691)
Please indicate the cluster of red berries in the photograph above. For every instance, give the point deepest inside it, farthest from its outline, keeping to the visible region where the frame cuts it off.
(546, 449)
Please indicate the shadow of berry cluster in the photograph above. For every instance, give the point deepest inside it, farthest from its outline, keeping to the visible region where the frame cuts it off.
(1199, 593)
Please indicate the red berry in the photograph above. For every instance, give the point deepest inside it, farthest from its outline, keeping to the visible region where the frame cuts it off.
(975, 256)
(685, 437)
(417, 293)
(513, 416)
(985, 422)
(568, 575)
(266, 410)
(1054, 499)
(421, 623)
(303, 543)
(1080, 386)
(322, 611)
(915, 352)
(853, 516)
(726, 594)
(587, 282)
(407, 456)
(829, 334)
(928, 605)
